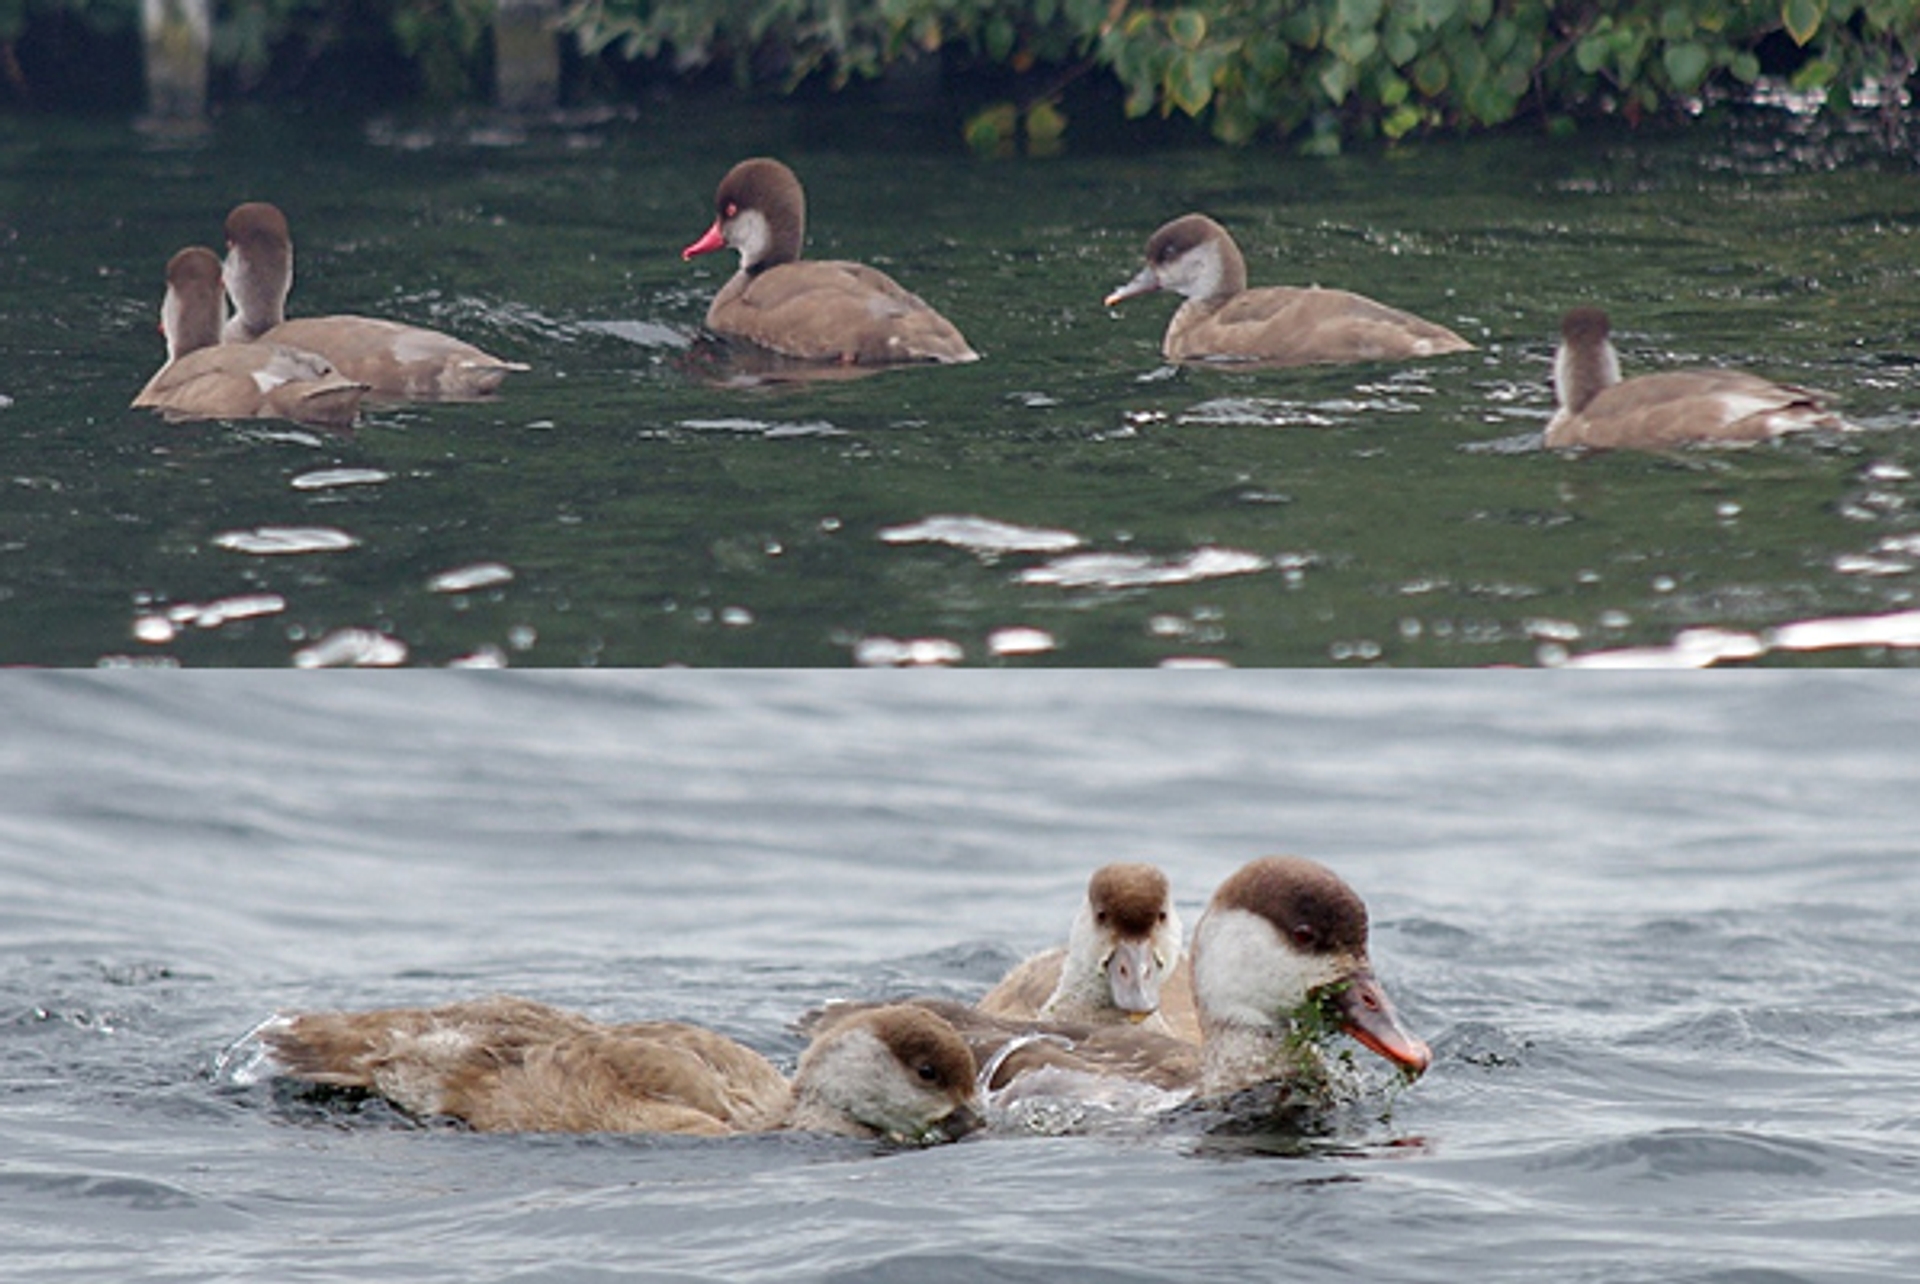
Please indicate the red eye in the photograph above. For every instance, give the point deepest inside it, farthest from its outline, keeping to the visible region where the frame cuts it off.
(729, 210)
(1304, 936)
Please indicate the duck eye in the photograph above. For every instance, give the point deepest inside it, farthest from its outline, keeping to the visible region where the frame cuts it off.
(729, 209)
(926, 1072)
(1304, 936)
(1100, 917)
(1163, 916)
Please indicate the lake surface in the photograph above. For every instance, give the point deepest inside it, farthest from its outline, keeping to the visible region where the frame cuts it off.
(1659, 931)
(1067, 500)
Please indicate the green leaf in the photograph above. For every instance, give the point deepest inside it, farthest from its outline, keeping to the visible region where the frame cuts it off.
(1431, 75)
(1402, 46)
(1354, 46)
(1403, 121)
(1000, 35)
(1189, 84)
(1358, 14)
(1815, 73)
(1590, 55)
(1686, 65)
(991, 131)
(1745, 67)
(1188, 27)
(1045, 123)
(1336, 80)
(1802, 18)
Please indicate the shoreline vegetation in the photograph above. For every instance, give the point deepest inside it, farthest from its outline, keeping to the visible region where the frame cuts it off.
(1311, 75)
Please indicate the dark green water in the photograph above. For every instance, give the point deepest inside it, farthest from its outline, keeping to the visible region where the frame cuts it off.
(647, 514)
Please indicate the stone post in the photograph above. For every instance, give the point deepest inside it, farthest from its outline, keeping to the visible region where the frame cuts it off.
(178, 33)
(526, 54)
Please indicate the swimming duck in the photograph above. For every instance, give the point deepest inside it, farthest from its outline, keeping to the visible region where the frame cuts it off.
(1279, 960)
(205, 379)
(505, 1064)
(1124, 941)
(1657, 411)
(1223, 320)
(392, 359)
(813, 309)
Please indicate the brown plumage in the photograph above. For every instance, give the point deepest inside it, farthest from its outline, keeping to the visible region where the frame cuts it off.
(1223, 320)
(204, 379)
(1284, 940)
(506, 1064)
(1660, 411)
(1123, 944)
(394, 360)
(812, 309)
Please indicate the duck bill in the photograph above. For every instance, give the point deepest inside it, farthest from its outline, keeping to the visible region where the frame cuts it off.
(1133, 976)
(715, 239)
(964, 1119)
(1144, 283)
(1367, 1016)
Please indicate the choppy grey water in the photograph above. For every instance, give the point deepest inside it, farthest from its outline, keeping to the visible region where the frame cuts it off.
(1660, 933)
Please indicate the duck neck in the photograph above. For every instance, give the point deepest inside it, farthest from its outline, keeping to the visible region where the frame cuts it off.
(190, 327)
(259, 291)
(1229, 276)
(1235, 1056)
(1582, 372)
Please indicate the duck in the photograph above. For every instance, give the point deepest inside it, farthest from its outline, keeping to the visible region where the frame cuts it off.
(509, 1064)
(1123, 944)
(395, 361)
(205, 379)
(1598, 410)
(1224, 321)
(817, 310)
(1278, 961)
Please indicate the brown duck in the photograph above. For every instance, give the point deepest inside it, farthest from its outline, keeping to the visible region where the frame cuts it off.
(205, 379)
(1223, 320)
(812, 309)
(393, 360)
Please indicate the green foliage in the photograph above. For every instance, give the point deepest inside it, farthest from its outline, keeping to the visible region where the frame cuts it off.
(444, 39)
(1316, 70)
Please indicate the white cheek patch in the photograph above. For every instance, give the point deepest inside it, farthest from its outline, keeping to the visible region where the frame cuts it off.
(747, 233)
(1245, 974)
(1196, 273)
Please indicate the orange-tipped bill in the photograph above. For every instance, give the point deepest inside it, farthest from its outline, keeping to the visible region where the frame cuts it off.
(1146, 282)
(1367, 1015)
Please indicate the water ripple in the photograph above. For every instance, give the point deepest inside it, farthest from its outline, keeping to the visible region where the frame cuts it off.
(1138, 570)
(279, 541)
(982, 536)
